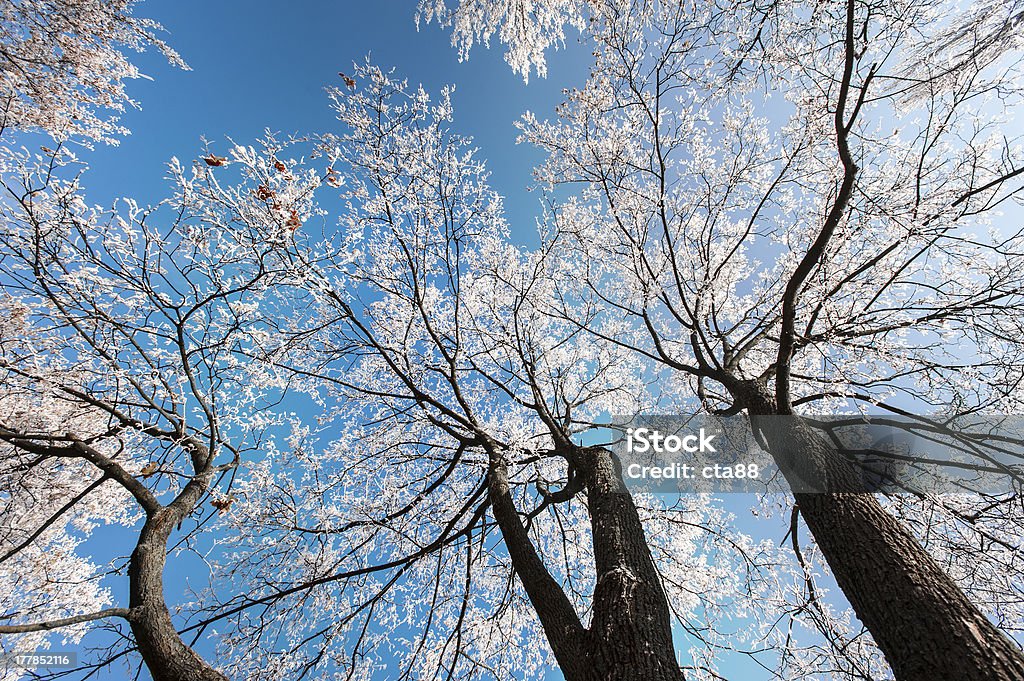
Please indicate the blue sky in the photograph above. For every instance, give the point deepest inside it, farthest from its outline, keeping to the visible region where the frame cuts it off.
(256, 65)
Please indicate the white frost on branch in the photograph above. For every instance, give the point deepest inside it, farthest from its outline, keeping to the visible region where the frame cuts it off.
(63, 67)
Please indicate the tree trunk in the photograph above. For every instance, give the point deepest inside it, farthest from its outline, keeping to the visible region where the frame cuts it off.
(632, 626)
(630, 637)
(921, 620)
(918, 616)
(165, 655)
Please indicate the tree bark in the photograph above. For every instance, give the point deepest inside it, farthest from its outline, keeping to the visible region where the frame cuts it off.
(630, 637)
(924, 624)
(165, 654)
(632, 626)
(918, 616)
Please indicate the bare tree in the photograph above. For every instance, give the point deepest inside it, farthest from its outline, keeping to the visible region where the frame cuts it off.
(462, 407)
(809, 254)
(124, 383)
(154, 345)
(446, 492)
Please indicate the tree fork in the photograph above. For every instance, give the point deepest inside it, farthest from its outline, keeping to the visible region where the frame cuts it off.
(630, 636)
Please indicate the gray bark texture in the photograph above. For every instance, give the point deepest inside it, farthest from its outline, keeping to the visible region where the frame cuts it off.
(630, 635)
(918, 616)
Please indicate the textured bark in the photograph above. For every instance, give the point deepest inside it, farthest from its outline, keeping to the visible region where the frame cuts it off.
(630, 637)
(918, 616)
(632, 626)
(565, 633)
(165, 654)
(921, 620)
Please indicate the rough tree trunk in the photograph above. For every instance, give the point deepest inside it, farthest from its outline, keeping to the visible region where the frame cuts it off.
(632, 627)
(921, 620)
(165, 654)
(630, 637)
(918, 616)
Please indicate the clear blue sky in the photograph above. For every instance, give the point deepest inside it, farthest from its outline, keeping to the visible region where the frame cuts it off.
(259, 64)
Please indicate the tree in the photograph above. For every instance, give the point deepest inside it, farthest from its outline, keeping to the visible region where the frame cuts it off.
(447, 491)
(63, 65)
(128, 354)
(417, 329)
(454, 409)
(34, 559)
(123, 326)
(813, 254)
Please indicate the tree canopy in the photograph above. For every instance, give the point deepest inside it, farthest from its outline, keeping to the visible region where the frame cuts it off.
(323, 369)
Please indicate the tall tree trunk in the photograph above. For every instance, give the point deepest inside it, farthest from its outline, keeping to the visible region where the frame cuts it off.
(165, 654)
(918, 616)
(924, 624)
(630, 637)
(632, 626)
